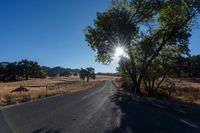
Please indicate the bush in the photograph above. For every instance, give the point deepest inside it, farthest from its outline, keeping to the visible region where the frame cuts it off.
(8, 99)
(26, 98)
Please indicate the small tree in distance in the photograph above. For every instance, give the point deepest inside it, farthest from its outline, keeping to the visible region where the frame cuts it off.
(86, 74)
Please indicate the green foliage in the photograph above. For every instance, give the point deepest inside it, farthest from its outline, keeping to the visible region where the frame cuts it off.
(22, 70)
(86, 74)
(83, 73)
(66, 73)
(40, 74)
(75, 74)
(29, 69)
(186, 67)
(112, 29)
(10, 72)
(153, 32)
(59, 71)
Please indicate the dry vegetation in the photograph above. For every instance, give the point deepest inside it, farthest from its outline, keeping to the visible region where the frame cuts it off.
(179, 95)
(186, 90)
(40, 88)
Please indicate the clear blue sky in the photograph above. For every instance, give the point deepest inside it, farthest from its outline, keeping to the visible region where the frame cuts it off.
(51, 32)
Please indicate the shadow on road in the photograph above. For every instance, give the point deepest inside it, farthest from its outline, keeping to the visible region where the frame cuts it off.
(45, 130)
(143, 117)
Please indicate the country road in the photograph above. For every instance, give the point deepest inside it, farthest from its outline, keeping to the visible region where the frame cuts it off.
(101, 109)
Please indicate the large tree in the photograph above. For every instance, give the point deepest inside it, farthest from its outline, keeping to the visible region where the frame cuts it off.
(87, 73)
(29, 69)
(21, 70)
(144, 28)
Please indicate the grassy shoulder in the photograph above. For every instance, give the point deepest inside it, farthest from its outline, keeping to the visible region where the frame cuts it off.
(183, 96)
(41, 88)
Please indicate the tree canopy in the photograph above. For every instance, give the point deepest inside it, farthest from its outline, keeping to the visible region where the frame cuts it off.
(87, 73)
(152, 32)
(22, 70)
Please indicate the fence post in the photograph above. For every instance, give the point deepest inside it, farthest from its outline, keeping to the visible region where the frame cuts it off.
(57, 88)
(46, 86)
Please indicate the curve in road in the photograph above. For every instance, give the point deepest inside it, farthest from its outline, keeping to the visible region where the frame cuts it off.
(101, 109)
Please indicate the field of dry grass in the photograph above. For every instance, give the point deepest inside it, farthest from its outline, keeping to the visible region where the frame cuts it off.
(179, 95)
(40, 88)
(184, 89)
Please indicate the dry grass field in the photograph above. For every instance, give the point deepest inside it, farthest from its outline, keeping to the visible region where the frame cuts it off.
(184, 89)
(40, 88)
(181, 95)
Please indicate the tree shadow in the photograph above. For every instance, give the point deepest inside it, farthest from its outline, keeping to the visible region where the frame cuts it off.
(46, 130)
(142, 116)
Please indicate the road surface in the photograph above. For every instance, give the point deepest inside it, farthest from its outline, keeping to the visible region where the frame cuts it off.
(97, 110)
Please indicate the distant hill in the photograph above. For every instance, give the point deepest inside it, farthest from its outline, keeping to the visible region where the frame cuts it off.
(107, 74)
(54, 71)
(58, 70)
(50, 71)
(3, 64)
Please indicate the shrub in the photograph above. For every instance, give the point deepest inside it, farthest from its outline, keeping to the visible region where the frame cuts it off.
(26, 98)
(8, 99)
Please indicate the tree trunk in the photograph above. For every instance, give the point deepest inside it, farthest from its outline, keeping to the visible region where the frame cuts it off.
(133, 73)
(87, 79)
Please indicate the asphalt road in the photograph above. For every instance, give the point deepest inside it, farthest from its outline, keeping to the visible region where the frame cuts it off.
(97, 110)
